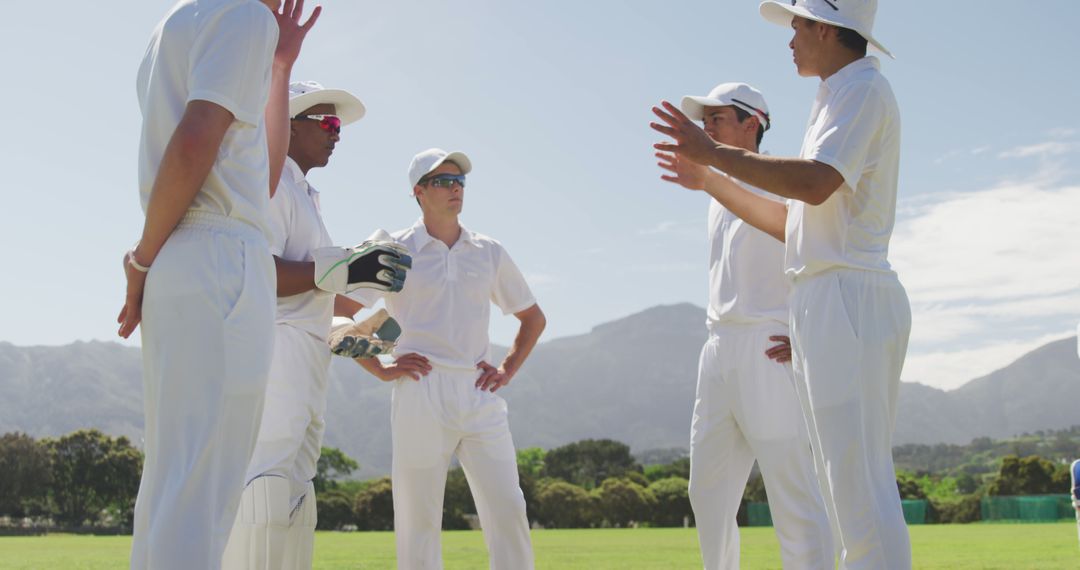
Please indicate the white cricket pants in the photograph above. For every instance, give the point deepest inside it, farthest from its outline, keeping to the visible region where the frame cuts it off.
(293, 420)
(207, 336)
(849, 333)
(441, 415)
(288, 446)
(747, 408)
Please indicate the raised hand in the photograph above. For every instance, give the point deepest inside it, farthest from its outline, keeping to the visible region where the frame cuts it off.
(291, 32)
(685, 173)
(691, 141)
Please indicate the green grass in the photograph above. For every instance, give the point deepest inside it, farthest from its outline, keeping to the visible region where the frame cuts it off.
(937, 547)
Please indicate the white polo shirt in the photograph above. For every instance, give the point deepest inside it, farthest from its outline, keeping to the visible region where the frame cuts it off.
(855, 128)
(218, 51)
(297, 229)
(746, 270)
(445, 306)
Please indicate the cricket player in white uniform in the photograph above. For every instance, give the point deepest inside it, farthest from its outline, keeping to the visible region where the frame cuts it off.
(444, 400)
(850, 317)
(275, 527)
(746, 405)
(212, 89)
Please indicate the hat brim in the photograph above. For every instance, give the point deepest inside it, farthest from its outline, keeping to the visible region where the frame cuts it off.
(694, 107)
(458, 158)
(346, 105)
(782, 14)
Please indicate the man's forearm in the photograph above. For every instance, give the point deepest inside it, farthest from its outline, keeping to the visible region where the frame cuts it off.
(798, 178)
(372, 365)
(294, 277)
(187, 161)
(277, 121)
(533, 323)
(764, 214)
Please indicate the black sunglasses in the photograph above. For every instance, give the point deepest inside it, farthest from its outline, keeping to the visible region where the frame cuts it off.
(445, 180)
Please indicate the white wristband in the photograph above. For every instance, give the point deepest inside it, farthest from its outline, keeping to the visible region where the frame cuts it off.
(138, 266)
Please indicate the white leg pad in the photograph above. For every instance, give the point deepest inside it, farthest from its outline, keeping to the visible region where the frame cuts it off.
(300, 541)
(262, 523)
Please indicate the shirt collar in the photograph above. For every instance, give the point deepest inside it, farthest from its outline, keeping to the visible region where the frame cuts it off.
(293, 170)
(421, 237)
(845, 73)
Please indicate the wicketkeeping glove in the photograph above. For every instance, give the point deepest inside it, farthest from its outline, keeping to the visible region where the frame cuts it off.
(374, 264)
(369, 338)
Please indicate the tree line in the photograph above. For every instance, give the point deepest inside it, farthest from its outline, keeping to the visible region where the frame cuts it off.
(88, 479)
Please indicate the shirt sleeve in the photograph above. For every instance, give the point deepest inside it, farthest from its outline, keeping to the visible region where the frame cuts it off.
(367, 297)
(281, 217)
(851, 124)
(230, 60)
(511, 293)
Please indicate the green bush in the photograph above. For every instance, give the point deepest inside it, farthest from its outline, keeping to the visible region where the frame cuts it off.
(374, 507)
(622, 502)
(963, 509)
(563, 505)
(672, 502)
(335, 509)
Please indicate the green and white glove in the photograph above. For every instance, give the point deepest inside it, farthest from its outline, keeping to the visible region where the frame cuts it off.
(374, 264)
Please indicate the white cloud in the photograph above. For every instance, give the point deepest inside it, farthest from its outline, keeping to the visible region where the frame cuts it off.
(1061, 133)
(991, 274)
(1044, 150)
(951, 369)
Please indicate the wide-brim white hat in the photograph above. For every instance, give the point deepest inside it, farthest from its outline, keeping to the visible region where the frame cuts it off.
(304, 95)
(855, 15)
(423, 163)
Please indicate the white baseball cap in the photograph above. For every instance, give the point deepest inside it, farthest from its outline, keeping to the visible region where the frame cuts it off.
(738, 95)
(304, 95)
(430, 159)
(855, 15)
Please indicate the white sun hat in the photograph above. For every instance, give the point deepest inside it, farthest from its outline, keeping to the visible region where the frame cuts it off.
(855, 15)
(304, 95)
(738, 95)
(430, 159)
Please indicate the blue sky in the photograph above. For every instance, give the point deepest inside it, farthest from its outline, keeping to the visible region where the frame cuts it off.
(551, 100)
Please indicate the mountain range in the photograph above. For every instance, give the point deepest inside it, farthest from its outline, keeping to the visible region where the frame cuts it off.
(631, 380)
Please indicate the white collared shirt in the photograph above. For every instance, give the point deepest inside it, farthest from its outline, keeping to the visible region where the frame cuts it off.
(218, 51)
(297, 229)
(445, 306)
(855, 128)
(746, 270)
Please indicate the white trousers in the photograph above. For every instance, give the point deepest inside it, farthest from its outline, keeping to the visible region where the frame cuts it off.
(441, 415)
(288, 447)
(747, 408)
(207, 335)
(293, 420)
(849, 332)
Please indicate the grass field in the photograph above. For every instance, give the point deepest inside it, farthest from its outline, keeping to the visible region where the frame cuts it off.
(952, 547)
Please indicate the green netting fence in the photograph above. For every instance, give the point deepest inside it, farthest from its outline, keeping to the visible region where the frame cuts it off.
(915, 510)
(757, 514)
(1033, 508)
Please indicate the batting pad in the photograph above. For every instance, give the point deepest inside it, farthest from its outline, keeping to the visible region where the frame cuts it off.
(262, 524)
